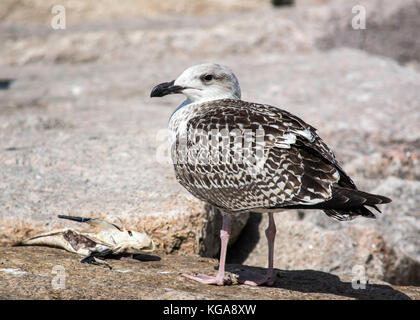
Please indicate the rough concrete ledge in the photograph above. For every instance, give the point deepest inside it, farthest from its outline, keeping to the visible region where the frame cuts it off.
(31, 273)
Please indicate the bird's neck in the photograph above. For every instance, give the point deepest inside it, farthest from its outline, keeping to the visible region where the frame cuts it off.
(206, 99)
(186, 102)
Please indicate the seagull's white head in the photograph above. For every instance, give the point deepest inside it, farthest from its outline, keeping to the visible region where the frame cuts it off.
(203, 82)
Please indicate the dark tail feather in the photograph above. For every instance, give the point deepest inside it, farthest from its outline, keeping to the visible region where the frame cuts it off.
(347, 204)
(371, 199)
(91, 221)
(78, 219)
(350, 214)
(345, 198)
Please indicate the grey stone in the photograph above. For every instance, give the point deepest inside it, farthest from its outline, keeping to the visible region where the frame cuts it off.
(79, 134)
(48, 273)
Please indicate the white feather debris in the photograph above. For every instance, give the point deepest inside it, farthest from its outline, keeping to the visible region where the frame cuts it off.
(108, 239)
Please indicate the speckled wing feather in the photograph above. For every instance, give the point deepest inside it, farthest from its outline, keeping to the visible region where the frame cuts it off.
(295, 168)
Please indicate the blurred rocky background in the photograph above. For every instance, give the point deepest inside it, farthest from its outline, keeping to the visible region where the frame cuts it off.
(79, 134)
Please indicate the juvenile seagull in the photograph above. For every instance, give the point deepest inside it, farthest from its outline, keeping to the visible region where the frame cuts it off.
(285, 166)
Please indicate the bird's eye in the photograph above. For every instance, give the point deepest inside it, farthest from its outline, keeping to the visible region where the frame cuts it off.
(208, 77)
(130, 233)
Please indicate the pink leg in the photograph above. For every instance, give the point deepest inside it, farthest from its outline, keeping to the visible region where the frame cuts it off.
(219, 279)
(269, 278)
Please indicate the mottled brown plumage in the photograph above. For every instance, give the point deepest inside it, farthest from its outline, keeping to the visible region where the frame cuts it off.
(299, 170)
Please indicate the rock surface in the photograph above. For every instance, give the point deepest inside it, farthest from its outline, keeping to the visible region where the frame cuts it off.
(79, 134)
(47, 273)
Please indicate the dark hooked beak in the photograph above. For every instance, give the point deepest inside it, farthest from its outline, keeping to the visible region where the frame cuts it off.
(165, 88)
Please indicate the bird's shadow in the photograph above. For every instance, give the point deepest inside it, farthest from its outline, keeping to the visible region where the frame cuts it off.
(146, 257)
(301, 280)
(247, 240)
(311, 281)
(135, 257)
